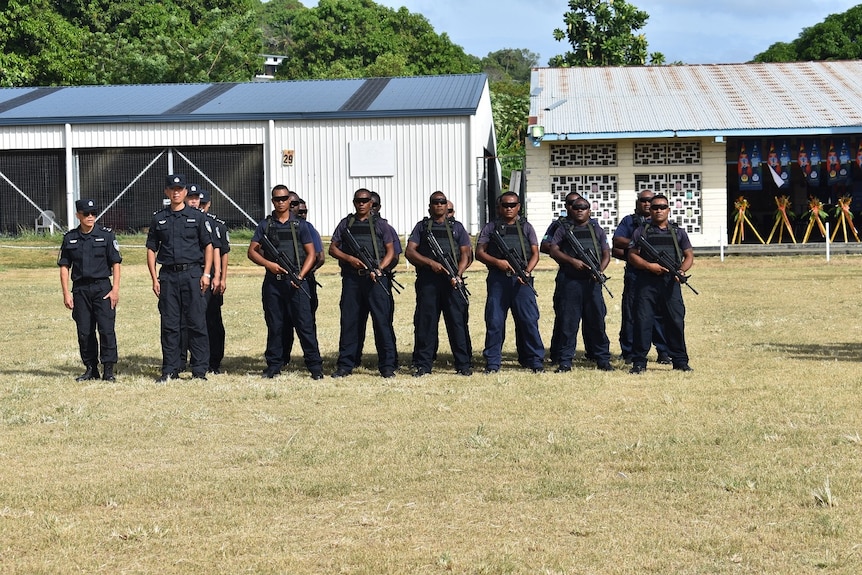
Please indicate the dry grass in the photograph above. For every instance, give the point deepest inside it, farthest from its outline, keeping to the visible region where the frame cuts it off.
(748, 465)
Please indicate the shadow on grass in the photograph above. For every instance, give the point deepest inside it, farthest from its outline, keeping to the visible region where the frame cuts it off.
(838, 351)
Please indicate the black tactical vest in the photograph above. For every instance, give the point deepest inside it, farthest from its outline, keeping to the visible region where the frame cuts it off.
(511, 238)
(663, 242)
(285, 237)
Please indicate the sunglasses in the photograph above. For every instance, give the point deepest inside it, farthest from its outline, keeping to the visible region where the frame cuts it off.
(88, 214)
(361, 200)
(439, 202)
(659, 207)
(451, 210)
(645, 200)
(509, 205)
(301, 212)
(276, 199)
(580, 206)
(294, 204)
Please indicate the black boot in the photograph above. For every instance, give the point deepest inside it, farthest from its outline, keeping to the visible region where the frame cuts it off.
(92, 372)
(108, 373)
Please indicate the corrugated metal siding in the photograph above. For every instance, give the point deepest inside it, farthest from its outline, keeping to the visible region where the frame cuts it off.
(184, 134)
(32, 137)
(705, 98)
(430, 155)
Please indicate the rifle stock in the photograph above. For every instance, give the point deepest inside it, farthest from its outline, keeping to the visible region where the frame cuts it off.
(282, 260)
(445, 259)
(665, 261)
(515, 261)
(587, 257)
(360, 252)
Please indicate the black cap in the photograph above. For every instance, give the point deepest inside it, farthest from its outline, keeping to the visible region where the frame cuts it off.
(193, 189)
(205, 196)
(175, 181)
(85, 206)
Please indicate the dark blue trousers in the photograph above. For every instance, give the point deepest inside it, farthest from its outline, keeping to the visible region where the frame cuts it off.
(359, 293)
(662, 296)
(287, 309)
(579, 301)
(627, 326)
(506, 293)
(435, 295)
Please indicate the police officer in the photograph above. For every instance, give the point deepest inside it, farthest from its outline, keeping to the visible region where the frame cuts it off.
(90, 255)
(435, 288)
(215, 322)
(286, 302)
(299, 209)
(506, 291)
(556, 335)
(621, 241)
(365, 287)
(657, 291)
(578, 296)
(179, 240)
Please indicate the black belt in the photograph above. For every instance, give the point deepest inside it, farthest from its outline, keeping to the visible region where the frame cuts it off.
(87, 281)
(180, 267)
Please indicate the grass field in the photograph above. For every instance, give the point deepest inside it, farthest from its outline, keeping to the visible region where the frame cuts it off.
(750, 464)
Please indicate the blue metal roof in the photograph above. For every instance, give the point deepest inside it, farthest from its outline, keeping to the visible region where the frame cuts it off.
(456, 95)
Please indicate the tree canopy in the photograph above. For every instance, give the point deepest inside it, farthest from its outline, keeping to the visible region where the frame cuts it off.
(359, 38)
(838, 37)
(54, 42)
(602, 33)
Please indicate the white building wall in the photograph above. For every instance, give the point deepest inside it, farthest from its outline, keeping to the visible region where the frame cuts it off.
(430, 155)
(712, 170)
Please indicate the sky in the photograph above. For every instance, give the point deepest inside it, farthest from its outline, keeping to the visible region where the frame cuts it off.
(689, 31)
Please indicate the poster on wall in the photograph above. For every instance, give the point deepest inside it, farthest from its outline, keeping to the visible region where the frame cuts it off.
(808, 157)
(748, 166)
(838, 162)
(778, 161)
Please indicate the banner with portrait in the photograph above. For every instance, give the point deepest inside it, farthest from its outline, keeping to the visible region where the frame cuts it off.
(837, 161)
(809, 158)
(778, 161)
(748, 166)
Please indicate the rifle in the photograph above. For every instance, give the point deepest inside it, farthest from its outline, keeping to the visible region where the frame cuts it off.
(513, 258)
(664, 260)
(586, 256)
(445, 259)
(282, 260)
(396, 285)
(362, 253)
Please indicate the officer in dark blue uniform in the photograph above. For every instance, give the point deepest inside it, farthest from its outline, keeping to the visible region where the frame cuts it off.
(89, 256)
(435, 289)
(621, 241)
(286, 304)
(658, 292)
(506, 291)
(221, 249)
(179, 240)
(364, 288)
(578, 296)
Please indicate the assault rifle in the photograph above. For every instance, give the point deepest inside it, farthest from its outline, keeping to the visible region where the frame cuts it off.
(513, 258)
(445, 259)
(664, 260)
(282, 260)
(396, 285)
(586, 256)
(361, 252)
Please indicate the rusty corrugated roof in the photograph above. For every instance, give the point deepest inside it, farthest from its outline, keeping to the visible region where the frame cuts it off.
(711, 99)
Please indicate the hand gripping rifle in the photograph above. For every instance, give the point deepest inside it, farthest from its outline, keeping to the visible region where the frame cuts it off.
(664, 260)
(282, 260)
(362, 253)
(445, 259)
(513, 258)
(586, 256)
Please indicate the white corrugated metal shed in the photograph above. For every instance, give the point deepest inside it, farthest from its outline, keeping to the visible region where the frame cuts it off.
(795, 98)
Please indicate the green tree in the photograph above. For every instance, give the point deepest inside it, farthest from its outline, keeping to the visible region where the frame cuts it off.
(360, 38)
(602, 33)
(510, 104)
(836, 38)
(56, 42)
(509, 64)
